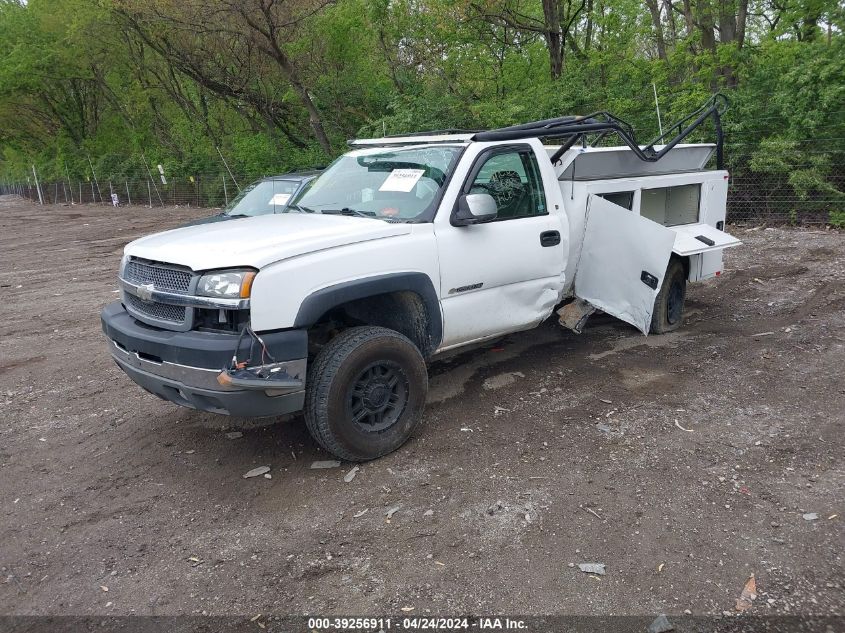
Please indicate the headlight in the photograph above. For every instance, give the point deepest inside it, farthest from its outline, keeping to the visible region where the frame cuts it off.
(227, 284)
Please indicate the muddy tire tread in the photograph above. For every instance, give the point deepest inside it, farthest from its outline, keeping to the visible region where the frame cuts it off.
(659, 324)
(320, 375)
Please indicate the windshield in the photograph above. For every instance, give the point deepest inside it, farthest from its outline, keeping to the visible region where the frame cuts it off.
(262, 197)
(398, 184)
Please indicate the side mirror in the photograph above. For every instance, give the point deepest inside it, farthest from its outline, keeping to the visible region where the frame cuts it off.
(475, 208)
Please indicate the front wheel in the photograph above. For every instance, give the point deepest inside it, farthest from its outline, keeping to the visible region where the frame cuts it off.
(365, 393)
(669, 305)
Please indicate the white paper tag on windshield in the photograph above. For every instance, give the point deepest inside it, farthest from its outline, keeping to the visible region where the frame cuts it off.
(402, 180)
(280, 199)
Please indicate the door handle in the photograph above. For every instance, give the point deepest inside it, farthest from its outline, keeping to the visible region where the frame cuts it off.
(549, 238)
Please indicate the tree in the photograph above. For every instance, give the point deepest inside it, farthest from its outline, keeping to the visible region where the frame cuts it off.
(278, 84)
(237, 49)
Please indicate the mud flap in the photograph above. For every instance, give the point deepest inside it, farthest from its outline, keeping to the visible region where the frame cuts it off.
(623, 261)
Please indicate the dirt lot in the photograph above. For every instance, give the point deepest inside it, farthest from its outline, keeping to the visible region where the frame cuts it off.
(683, 462)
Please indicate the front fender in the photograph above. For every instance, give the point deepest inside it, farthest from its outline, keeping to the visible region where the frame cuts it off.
(321, 301)
(297, 291)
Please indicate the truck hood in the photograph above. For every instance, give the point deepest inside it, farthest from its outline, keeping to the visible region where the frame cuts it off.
(259, 241)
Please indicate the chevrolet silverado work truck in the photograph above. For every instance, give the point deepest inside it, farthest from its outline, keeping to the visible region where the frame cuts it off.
(406, 247)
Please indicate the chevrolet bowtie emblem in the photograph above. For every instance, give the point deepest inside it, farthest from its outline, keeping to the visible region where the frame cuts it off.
(145, 292)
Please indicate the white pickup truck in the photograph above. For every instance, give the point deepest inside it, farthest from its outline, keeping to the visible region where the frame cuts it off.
(409, 246)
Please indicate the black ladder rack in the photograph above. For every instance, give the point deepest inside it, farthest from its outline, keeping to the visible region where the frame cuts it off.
(572, 128)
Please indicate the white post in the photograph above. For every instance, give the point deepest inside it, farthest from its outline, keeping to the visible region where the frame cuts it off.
(225, 192)
(69, 186)
(128, 197)
(37, 186)
(657, 105)
(226, 165)
(150, 174)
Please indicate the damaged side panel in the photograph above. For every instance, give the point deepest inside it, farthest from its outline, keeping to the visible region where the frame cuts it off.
(623, 260)
(504, 309)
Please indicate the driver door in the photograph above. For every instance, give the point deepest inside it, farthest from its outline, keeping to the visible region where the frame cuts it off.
(507, 274)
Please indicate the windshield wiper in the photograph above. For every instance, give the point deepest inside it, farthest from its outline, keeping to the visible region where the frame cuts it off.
(348, 211)
(343, 211)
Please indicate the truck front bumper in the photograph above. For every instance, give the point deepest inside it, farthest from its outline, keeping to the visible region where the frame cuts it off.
(182, 367)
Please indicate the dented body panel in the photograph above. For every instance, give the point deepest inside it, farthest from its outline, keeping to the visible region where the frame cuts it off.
(497, 277)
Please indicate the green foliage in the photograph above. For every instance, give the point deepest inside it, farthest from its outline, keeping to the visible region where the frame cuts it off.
(120, 81)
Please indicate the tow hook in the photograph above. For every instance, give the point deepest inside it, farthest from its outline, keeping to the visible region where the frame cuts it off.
(271, 376)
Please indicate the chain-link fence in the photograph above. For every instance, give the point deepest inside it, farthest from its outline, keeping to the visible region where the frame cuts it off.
(759, 198)
(202, 190)
(753, 196)
(795, 182)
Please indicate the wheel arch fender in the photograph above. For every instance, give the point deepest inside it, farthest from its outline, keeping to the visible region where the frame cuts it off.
(321, 301)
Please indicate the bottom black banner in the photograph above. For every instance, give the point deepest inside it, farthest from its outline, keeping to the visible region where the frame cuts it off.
(383, 624)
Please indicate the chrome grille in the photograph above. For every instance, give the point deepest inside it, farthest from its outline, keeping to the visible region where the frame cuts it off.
(161, 277)
(155, 310)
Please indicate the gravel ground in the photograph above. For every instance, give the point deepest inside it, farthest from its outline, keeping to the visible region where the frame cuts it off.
(685, 462)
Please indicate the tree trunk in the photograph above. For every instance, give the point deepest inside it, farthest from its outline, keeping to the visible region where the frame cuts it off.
(654, 10)
(588, 35)
(706, 26)
(688, 19)
(553, 38)
(270, 34)
(670, 17)
(727, 22)
(741, 21)
(313, 113)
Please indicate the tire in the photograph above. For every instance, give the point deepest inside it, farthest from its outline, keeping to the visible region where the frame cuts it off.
(365, 393)
(668, 313)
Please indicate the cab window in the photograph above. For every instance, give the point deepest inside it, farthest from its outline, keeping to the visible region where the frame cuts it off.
(512, 177)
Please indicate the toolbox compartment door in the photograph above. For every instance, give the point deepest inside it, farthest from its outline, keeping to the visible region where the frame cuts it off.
(623, 261)
(692, 239)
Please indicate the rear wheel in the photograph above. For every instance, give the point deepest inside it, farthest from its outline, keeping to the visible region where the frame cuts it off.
(365, 393)
(669, 305)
